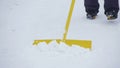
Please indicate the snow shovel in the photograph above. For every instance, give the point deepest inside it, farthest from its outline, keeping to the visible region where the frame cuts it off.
(69, 42)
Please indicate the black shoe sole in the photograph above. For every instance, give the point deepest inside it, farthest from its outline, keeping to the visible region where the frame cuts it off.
(91, 16)
(111, 17)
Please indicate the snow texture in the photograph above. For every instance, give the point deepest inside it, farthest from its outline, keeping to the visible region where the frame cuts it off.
(23, 21)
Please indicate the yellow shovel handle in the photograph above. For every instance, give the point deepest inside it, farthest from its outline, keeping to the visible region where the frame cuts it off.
(69, 19)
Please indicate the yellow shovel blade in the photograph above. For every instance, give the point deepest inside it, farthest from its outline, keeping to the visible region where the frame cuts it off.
(69, 42)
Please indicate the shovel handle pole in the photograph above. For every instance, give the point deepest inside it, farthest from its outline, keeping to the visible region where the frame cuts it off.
(68, 19)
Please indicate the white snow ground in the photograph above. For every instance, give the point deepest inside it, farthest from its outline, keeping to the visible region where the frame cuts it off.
(23, 21)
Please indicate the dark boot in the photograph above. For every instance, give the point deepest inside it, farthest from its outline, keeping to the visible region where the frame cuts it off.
(111, 9)
(92, 8)
(111, 15)
(91, 15)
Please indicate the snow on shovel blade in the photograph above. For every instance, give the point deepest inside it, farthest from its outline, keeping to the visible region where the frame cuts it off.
(69, 42)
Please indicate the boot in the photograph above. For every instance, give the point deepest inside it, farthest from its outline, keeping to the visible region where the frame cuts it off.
(111, 15)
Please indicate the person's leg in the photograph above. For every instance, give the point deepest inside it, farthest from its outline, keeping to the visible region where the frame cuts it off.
(91, 8)
(111, 7)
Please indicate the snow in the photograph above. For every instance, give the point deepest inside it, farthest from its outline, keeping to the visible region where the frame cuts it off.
(23, 21)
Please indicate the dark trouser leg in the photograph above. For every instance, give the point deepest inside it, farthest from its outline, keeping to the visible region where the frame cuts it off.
(91, 6)
(111, 5)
